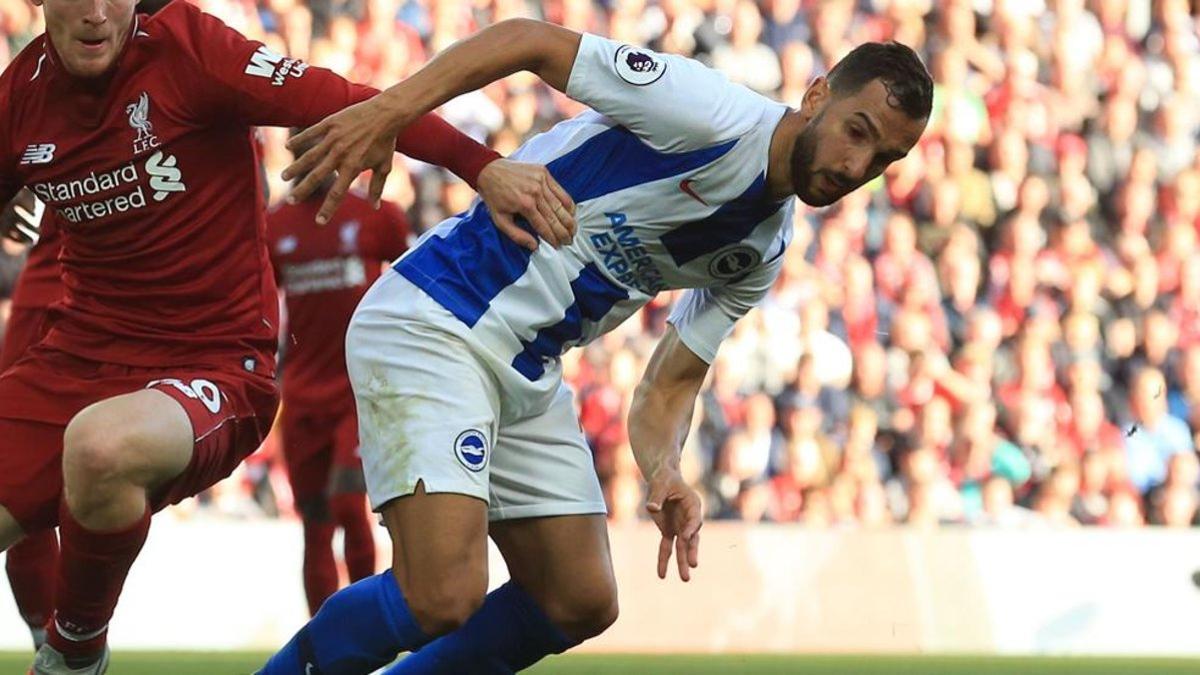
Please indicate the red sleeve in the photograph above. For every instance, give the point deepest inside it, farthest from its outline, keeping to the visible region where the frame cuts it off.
(259, 87)
(390, 236)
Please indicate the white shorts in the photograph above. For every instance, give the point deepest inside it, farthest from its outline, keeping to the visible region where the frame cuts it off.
(430, 411)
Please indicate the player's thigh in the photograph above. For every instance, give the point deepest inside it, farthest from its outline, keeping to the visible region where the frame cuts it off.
(542, 466)
(427, 410)
(565, 564)
(228, 413)
(143, 437)
(439, 555)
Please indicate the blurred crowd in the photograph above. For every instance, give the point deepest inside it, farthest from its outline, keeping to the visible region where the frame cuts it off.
(1004, 329)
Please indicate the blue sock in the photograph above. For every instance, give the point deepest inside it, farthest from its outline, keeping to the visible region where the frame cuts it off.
(359, 629)
(508, 633)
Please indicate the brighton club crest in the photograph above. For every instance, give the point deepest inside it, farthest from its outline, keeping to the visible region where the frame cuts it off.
(139, 119)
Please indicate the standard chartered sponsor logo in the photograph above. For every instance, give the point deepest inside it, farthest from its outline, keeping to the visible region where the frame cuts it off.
(72, 200)
(327, 274)
(164, 176)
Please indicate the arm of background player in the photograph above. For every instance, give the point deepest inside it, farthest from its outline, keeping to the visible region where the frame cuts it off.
(659, 418)
(358, 138)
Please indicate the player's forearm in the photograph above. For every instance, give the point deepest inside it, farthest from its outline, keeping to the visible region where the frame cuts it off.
(658, 425)
(489, 55)
(433, 140)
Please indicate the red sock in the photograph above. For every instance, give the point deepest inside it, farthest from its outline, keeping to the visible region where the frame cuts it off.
(91, 572)
(31, 566)
(350, 512)
(320, 570)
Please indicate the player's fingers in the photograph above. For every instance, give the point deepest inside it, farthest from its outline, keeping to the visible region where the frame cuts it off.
(557, 231)
(309, 135)
(560, 193)
(509, 228)
(305, 162)
(693, 552)
(692, 520)
(312, 179)
(681, 559)
(335, 196)
(664, 556)
(379, 177)
(563, 222)
(533, 214)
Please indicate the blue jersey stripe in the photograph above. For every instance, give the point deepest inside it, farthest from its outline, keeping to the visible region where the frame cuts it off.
(616, 159)
(595, 296)
(731, 223)
(469, 267)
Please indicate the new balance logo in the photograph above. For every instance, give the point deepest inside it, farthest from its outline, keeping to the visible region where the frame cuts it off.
(38, 153)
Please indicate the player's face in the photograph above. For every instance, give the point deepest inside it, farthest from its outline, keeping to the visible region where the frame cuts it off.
(849, 141)
(87, 34)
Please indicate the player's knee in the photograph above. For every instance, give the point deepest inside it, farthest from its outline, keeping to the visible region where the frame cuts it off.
(444, 605)
(92, 452)
(586, 610)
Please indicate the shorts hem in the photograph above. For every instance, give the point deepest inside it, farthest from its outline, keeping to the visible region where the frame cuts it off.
(430, 489)
(547, 510)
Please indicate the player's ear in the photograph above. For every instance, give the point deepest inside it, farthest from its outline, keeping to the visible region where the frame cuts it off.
(815, 98)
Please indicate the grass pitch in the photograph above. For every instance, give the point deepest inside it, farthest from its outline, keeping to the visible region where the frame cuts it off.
(242, 663)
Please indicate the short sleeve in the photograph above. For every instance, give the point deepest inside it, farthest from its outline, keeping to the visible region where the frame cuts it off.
(704, 317)
(671, 102)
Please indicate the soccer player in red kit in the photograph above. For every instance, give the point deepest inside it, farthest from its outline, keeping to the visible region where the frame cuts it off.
(324, 270)
(157, 374)
(31, 563)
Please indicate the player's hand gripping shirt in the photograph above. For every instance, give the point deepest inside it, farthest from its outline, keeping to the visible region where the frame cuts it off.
(669, 175)
(151, 174)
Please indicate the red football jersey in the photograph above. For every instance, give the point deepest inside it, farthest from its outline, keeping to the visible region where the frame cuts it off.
(40, 284)
(152, 175)
(324, 271)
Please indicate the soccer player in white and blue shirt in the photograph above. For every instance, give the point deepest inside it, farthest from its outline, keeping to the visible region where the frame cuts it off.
(681, 180)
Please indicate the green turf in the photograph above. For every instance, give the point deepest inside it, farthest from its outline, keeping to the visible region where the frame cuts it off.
(241, 663)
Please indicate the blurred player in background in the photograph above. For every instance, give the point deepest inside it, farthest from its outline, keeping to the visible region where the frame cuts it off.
(156, 376)
(683, 181)
(323, 271)
(32, 563)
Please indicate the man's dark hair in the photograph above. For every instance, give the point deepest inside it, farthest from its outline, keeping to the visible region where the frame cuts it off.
(909, 86)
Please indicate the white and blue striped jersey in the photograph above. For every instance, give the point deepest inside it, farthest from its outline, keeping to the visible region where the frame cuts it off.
(668, 171)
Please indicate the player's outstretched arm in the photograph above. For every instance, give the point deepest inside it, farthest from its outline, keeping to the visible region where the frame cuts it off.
(362, 136)
(659, 418)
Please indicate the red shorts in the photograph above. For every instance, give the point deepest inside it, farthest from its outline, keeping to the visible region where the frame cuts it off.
(230, 411)
(314, 443)
(26, 327)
